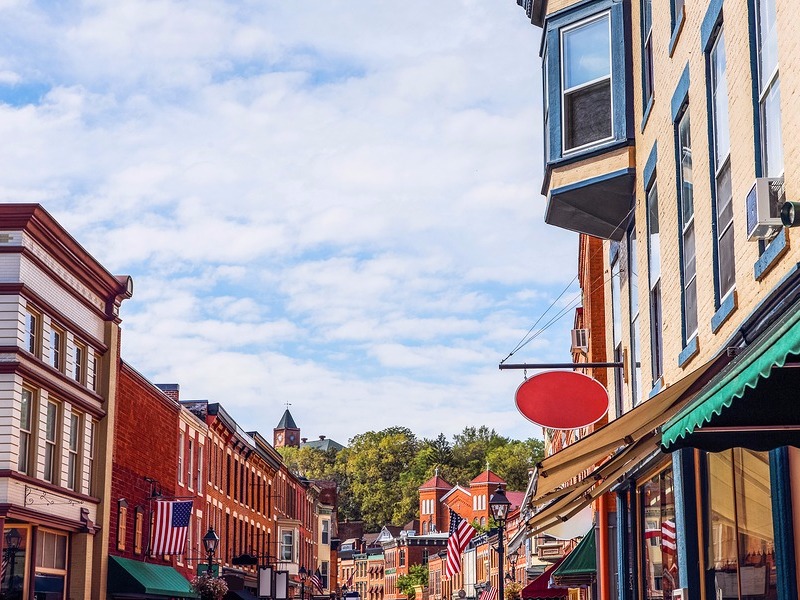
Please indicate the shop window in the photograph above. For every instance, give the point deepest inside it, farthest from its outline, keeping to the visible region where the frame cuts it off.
(658, 537)
(741, 540)
(51, 565)
(15, 547)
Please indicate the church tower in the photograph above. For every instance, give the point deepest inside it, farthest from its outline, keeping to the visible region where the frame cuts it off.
(287, 433)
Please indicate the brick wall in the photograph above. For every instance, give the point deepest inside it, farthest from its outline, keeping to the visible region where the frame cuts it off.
(145, 445)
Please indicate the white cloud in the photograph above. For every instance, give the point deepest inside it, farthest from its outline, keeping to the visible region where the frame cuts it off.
(334, 205)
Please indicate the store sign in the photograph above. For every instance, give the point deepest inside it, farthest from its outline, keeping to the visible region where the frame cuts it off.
(562, 399)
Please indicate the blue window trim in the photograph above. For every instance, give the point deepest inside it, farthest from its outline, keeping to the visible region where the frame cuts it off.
(650, 166)
(724, 311)
(772, 253)
(619, 74)
(689, 351)
(647, 103)
(680, 104)
(711, 21)
(677, 27)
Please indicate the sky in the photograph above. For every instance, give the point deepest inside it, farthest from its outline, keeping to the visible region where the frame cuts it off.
(329, 204)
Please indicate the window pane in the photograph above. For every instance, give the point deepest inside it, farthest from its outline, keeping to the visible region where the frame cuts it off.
(691, 308)
(725, 246)
(654, 247)
(656, 337)
(689, 264)
(768, 40)
(587, 115)
(771, 129)
(685, 148)
(658, 544)
(616, 303)
(587, 54)
(719, 95)
(633, 275)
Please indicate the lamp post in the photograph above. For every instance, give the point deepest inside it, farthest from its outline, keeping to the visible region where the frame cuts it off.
(210, 542)
(499, 506)
(513, 557)
(13, 541)
(303, 573)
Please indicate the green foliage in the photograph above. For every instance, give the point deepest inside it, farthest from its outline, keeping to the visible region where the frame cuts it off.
(379, 474)
(417, 575)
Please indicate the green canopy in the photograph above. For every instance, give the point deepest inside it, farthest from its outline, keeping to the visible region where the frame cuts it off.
(132, 578)
(579, 568)
(748, 398)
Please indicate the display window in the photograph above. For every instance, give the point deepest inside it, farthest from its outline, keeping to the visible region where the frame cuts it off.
(658, 561)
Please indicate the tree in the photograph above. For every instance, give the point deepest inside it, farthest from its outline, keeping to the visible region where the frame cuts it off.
(512, 461)
(310, 462)
(417, 575)
(373, 466)
(471, 449)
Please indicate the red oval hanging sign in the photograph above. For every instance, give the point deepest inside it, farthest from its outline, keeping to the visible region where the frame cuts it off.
(562, 399)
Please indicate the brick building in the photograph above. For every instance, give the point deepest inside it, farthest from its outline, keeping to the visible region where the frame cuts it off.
(59, 345)
(678, 119)
(403, 552)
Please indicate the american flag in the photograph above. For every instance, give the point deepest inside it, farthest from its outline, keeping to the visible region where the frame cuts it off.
(316, 581)
(461, 532)
(171, 526)
(668, 537)
(490, 593)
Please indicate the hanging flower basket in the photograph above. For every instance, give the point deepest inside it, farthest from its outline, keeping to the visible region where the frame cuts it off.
(209, 588)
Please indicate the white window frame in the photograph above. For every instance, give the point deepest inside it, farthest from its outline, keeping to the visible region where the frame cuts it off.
(51, 439)
(58, 338)
(564, 91)
(290, 545)
(25, 460)
(73, 450)
(180, 458)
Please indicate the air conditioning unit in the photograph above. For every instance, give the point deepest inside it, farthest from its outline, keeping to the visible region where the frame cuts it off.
(764, 208)
(580, 340)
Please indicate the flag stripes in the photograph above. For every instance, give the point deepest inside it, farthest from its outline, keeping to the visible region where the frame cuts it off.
(171, 526)
(461, 532)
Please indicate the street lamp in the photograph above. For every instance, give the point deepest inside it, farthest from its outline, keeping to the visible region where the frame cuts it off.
(499, 506)
(13, 541)
(210, 542)
(513, 557)
(303, 573)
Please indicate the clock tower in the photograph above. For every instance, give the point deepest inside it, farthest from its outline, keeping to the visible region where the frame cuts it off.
(287, 433)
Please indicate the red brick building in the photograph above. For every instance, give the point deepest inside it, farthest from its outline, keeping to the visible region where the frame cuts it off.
(404, 551)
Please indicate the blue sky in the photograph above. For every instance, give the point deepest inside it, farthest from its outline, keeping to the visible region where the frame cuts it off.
(330, 204)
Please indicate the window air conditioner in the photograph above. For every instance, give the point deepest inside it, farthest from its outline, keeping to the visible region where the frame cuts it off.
(580, 340)
(764, 208)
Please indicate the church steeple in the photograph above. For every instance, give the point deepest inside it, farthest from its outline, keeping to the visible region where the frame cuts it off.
(287, 433)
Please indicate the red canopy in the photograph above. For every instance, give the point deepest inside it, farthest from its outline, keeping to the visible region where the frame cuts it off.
(539, 589)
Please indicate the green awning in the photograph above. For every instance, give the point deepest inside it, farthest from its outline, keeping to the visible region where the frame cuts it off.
(751, 403)
(579, 568)
(131, 578)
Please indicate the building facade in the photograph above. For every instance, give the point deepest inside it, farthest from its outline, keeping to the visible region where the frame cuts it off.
(668, 130)
(59, 341)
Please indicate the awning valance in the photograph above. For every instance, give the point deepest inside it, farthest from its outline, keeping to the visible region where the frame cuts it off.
(539, 588)
(752, 403)
(132, 577)
(580, 566)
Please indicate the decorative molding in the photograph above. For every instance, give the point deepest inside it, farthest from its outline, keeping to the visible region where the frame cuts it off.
(36, 496)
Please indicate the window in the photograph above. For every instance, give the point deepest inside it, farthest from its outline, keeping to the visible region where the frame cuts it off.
(654, 279)
(138, 528)
(93, 376)
(73, 463)
(647, 52)
(122, 523)
(32, 331)
(686, 196)
(658, 537)
(51, 564)
(323, 570)
(200, 469)
(326, 531)
(616, 315)
(586, 77)
(287, 545)
(740, 542)
(79, 367)
(24, 461)
(180, 458)
(769, 93)
(633, 297)
(722, 168)
(402, 562)
(90, 430)
(51, 443)
(190, 470)
(57, 348)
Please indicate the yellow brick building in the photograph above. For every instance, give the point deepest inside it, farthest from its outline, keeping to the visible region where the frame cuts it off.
(669, 131)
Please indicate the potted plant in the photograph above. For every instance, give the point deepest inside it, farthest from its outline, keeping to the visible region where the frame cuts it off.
(209, 588)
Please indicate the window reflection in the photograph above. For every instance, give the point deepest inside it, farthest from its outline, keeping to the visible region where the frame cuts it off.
(659, 537)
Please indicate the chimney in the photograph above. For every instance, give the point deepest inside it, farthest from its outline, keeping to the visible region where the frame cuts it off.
(322, 437)
(172, 390)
